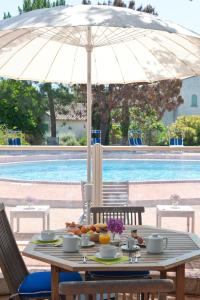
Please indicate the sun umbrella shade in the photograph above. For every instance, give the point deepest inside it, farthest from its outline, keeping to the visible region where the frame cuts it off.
(127, 46)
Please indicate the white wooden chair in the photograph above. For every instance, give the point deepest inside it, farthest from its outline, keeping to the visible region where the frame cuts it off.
(113, 194)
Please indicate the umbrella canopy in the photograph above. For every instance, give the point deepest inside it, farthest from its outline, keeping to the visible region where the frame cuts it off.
(114, 45)
(127, 46)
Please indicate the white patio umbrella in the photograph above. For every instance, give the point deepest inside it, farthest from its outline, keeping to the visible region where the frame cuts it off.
(96, 45)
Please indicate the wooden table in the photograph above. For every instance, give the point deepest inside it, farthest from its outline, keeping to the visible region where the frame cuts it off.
(179, 211)
(182, 248)
(32, 211)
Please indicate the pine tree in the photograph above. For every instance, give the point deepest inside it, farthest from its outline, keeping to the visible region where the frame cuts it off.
(6, 15)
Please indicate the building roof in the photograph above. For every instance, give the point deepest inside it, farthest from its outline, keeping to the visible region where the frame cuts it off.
(73, 112)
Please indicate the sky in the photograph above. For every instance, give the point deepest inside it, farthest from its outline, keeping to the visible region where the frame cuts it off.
(183, 12)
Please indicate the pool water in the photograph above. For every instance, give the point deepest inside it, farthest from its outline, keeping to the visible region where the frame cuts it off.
(113, 170)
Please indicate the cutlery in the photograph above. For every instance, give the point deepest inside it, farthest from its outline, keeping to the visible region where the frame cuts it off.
(137, 255)
(84, 261)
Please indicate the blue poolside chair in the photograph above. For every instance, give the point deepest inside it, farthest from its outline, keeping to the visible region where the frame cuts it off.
(17, 141)
(14, 141)
(176, 142)
(134, 138)
(180, 142)
(10, 141)
(139, 141)
(96, 137)
(131, 141)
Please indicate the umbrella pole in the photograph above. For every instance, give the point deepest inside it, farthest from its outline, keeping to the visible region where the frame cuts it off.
(89, 185)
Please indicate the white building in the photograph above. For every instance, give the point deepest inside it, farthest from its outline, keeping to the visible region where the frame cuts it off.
(190, 92)
(71, 121)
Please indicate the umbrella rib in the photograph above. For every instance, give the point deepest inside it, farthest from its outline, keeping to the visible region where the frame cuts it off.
(75, 55)
(18, 50)
(16, 38)
(33, 57)
(55, 59)
(182, 46)
(121, 37)
(117, 62)
(172, 53)
(136, 58)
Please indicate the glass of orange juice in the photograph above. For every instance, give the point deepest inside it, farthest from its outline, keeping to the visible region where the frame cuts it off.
(104, 238)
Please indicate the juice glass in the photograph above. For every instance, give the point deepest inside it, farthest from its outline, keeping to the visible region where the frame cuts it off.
(104, 238)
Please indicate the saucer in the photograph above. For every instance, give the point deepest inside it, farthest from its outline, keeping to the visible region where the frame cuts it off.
(135, 248)
(98, 255)
(90, 244)
(40, 239)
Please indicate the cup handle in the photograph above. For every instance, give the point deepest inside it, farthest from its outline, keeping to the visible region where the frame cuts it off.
(166, 242)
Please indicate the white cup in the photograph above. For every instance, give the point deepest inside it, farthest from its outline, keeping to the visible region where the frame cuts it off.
(85, 240)
(130, 243)
(108, 251)
(71, 243)
(47, 235)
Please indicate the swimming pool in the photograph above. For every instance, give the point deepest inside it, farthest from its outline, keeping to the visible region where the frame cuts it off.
(113, 170)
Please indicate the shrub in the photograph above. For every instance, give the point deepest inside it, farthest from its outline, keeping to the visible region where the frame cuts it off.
(187, 127)
(83, 141)
(69, 140)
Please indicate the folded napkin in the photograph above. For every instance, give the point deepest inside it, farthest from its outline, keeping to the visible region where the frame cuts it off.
(56, 243)
(111, 261)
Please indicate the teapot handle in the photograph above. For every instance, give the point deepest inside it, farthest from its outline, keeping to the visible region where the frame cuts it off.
(166, 242)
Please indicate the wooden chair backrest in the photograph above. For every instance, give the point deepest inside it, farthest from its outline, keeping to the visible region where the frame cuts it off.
(130, 215)
(113, 194)
(11, 263)
(124, 289)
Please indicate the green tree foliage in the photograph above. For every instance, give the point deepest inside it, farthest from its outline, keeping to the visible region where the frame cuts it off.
(187, 127)
(144, 119)
(86, 2)
(6, 15)
(21, 107)
(29, 5)
(56, 94)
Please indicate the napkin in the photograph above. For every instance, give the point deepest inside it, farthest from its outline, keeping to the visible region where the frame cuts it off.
(55, 243)
(108, 261)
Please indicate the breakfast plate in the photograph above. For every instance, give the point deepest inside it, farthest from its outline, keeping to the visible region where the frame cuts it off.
(90, 244)
(134, 248)
(40, 239)
(98, 255)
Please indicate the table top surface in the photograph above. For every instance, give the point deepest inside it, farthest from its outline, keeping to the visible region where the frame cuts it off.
(30, 208)
(177, 208)
(182, 248)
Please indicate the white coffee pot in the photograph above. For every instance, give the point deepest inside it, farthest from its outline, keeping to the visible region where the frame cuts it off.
(71, 243)
(155, 243)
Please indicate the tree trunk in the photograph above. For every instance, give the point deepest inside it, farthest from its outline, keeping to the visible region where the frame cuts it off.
(125, 122)
(51, 109)
(105, 128)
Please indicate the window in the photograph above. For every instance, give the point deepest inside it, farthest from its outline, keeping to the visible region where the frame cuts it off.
(194, 101)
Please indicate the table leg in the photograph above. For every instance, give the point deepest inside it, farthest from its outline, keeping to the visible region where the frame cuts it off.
(17, 224)
(43, 221)
(158, 221)
(163, 275)
(54, 283)
(188, 224)
(48, 221)
(11, 223)
(193, 220)
(180, 282)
